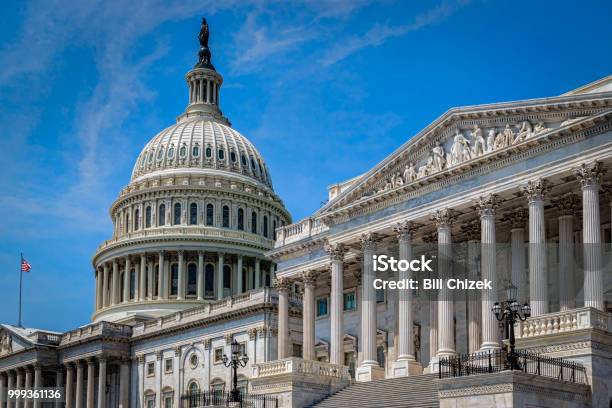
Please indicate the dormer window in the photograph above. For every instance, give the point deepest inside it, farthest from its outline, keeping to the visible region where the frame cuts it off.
(183, 151)
(151, 157)
(171, 152)
(253, 165)
(160, 153)
(221, 154)
(233, 156)
(195, 151)
(208, 152)
(244, 160)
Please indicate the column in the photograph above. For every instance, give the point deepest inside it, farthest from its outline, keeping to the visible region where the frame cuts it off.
(181, 277)
(37, 382)
(126, 279)
(137, 280)
(200, 283)
(369, 369)
(308, 316)
(2, 390)
(20, 386)
(566, 206)
(10, 386)
(124, 385)
(406, 364)
(474, 299)
(239, 281)
(105, 286)
(488, 263)
(79, 385)
(589, 175)
(59, 383)
(336, 254)
(99, 279)
(115, 283)
(538, 280)
(70, 386)
(257, 273)
(518, 219)
(143, 278)
(282, 286)
(91, 374)
(28, 385)
(220, 276)
(161, 276)
(446, 327)
(101, 383)
(150, 277)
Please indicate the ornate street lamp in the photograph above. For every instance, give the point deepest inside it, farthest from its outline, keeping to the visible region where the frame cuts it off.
(234, 361)
(509, 312)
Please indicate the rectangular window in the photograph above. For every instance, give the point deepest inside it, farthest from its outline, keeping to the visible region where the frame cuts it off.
(218, 355)
(349, 301)
(151, 402)
(242, 349)
(150, 369)
(297, 350)
(322, 307)
(168, 401)
(380, 296)
(168, 365)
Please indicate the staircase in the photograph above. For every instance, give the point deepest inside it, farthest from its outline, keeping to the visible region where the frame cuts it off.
(406, 392)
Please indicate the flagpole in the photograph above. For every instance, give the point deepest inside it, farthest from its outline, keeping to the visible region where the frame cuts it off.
(20, 286)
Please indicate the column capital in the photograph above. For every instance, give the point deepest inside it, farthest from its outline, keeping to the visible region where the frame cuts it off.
(589, 174)
(282, 284)
(335, 251)
(309, 278)
(517, 218)
(404, 230)
(535, 190)
(486, 205)
(443, 217)
(369, 240)
(567, 204)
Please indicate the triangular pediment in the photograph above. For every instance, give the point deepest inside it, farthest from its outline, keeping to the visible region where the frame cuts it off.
(469, 137)
(11, 341)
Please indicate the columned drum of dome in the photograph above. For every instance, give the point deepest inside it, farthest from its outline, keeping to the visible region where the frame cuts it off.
(196, 218)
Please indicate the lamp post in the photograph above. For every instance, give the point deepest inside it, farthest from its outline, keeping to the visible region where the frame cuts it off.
(234, 361)
(510, 312)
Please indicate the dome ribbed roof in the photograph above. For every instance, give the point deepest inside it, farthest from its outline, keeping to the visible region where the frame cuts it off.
(200, 145)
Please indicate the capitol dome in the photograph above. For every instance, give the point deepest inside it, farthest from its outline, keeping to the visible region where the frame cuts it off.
(198, 145)
(194, 222)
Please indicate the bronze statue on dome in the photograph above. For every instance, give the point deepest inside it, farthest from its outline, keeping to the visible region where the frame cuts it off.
(204, 53)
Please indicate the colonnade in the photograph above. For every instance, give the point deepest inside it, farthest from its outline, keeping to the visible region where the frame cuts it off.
(482, 324)
(177, 275)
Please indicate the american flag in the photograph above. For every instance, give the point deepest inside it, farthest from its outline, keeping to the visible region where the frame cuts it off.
(25, 265)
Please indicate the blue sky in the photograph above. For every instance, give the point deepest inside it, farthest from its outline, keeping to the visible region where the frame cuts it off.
(324, 89)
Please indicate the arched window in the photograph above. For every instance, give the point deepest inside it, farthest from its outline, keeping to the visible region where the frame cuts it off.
(241, 219)
(226, 220)
(227, 277)
(221, 154)
(171, 152)
(243, 159)
(274, 230)
(183, 151)
(210, 214)
(160, 153)
(192, 279)
(233, 156)
(208, 152)
(265, 226)
(177, 213)
(254, 222)
(136, 219)
(193, 214)
(209, 280)
(194, 388)
(195, 151)
(174, 280)
(253, 166)
(148, 217)
(161, 216)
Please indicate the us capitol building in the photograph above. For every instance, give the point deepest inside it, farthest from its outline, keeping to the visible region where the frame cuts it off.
(203, 253)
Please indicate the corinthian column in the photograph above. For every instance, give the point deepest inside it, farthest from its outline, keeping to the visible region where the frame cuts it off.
(181, 275)
(161, 276)
(336, 254)
(91, 373)
(369, 369)
(308, 315)
(518, 219)
(538, 280)
(486, 209)
(101, 383)
(115, 287)
(589, 175)
(105, 286)
(143, 278)
(406, 364)
(126, 279)
(472, 231)
(282, 285)
(566, 206)
(446, 344)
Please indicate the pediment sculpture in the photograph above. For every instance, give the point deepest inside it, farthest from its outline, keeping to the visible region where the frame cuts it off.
(6, 344)
(466, 145)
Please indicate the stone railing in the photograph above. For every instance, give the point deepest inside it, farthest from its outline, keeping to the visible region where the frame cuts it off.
(302, 229)
(562, 322)
(190, 230)
(45, 338)
(254, 297)
(295, 365)
(115, 330)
